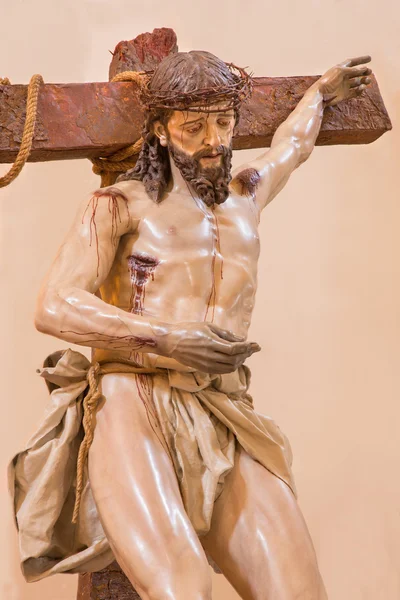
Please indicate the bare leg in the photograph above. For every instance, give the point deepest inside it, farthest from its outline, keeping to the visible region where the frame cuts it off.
(259, 538)
(139, 503)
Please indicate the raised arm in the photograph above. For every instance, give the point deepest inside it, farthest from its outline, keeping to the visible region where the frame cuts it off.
(68, 308)
(295, 138)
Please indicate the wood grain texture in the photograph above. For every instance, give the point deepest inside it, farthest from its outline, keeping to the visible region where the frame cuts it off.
(144, 52)
(89, 120)
(109, 584)
(85, 120)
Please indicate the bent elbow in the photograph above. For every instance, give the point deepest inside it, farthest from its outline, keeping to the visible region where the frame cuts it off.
(46, 312)
(40, 322)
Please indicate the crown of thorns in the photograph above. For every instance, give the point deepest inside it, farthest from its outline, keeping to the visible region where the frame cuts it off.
(232, 94)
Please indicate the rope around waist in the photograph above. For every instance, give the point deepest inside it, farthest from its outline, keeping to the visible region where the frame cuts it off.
(90, 404)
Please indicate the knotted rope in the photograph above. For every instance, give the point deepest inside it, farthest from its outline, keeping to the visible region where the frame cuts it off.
(29, 128)
(108, 168)
(90, 405)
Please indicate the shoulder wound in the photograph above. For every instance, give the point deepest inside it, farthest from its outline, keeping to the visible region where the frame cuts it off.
(247, 181)
(111, 191)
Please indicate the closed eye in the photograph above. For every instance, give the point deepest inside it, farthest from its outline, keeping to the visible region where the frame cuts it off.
(224, 122)
(194, 128)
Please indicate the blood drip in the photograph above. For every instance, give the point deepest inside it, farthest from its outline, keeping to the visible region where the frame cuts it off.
(216, 249)
(145, 392)
(113, 208)
(141, 267)
(143, 380)
(136, 342)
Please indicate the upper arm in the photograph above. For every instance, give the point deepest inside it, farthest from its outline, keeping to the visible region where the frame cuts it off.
(87, 253)
(269, 172)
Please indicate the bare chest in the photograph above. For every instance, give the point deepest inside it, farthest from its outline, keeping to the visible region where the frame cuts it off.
(187, 256)
(180, 229)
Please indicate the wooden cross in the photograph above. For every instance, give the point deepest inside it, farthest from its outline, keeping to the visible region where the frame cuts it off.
(92, 120)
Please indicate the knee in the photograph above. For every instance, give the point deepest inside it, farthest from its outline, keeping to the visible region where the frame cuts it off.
(187, 580)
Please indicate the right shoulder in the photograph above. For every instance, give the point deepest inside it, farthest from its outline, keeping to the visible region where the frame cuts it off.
(124, 201)
(125, 190)
(134, 193)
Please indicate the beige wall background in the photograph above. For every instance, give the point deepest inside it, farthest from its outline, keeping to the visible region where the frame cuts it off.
(327, 312)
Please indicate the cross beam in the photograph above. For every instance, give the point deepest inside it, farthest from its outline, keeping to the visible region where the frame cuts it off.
(87, 120)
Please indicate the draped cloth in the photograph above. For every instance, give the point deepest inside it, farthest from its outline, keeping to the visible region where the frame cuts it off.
(202, 418)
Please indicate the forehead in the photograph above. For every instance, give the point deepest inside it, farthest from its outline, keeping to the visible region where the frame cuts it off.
(196, 113)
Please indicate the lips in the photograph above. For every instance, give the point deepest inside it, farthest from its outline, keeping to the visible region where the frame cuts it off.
(212, 155)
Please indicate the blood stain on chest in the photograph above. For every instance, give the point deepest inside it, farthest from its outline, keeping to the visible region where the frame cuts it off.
(141, 267)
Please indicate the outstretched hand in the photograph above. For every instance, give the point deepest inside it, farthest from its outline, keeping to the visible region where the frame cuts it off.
(348, 79)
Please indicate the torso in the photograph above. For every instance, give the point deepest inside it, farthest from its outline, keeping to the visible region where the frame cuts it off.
(183, 261)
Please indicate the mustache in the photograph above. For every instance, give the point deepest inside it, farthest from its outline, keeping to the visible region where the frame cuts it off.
(210, 184)
(221, 149)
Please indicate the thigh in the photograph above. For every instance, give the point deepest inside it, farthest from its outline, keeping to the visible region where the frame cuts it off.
(137, 494)
(259, 538)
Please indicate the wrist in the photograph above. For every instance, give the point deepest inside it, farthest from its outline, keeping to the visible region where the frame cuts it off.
(163, 335)
(317, 91)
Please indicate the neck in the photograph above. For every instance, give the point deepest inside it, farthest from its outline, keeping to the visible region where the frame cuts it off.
(178, 183)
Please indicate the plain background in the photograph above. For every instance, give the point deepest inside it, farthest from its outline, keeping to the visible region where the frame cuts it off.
(327, 314)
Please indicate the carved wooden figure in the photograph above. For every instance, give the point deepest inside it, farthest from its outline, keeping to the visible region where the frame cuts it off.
(153, 454)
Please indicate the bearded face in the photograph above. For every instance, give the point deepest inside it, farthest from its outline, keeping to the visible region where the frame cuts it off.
(210, 182)
(192, 103)
(200, 145)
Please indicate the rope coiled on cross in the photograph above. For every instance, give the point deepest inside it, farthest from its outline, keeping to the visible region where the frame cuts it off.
(29, 128)
(107, 167)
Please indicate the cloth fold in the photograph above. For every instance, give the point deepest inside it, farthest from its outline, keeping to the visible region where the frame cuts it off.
(202, 417)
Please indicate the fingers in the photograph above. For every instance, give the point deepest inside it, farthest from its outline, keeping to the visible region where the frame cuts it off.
(225, 334)
(225, 364)
(211, 361)
(232, 348)
(357, 72)
(359, 80)
(250, 347)
(203, 345)
(354, 92)
(228, 366)
(359, 60)
(215, 344)
(234, 359)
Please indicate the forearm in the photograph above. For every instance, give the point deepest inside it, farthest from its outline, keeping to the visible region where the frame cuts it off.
(79, 317)
(302, 126)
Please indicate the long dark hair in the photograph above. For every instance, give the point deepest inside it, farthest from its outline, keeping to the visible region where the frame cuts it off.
(181, 80)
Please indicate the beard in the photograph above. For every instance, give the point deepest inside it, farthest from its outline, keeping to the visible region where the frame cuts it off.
(210, 184)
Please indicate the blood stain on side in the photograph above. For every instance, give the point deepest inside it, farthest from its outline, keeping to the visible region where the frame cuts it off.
(141, 267)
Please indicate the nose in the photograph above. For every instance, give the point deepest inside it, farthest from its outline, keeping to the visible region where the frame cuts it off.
(212, 137)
